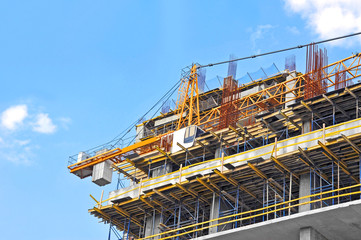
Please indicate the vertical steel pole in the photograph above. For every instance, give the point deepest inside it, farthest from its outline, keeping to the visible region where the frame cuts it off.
(284, 193)
(338, 182)
(110, 230)
(333, 183)
(197, 216)
(356, 108)
(267, 198)
(128, 229)
(263, 198)
(179, 218)
(236, 208)
(311, 191)
(290, 195)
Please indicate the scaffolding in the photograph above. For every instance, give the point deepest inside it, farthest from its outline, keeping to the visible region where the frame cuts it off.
(272, 148)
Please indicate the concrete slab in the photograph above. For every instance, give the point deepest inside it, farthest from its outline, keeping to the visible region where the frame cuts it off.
(337, 222)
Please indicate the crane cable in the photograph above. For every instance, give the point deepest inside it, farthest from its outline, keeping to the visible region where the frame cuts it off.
(127, 130)
(278, 51)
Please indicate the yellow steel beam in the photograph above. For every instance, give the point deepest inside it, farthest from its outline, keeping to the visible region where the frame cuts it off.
(94, 199)
(205, 147)
(166, 155)
(258, 172)
(268, 125)
(126, 214)
(193, 194)
(113, 221)
(206, 185)
(330, 153)
(284, 167)
(235, 130)
(336, 106)
(142, 198)
(333, 157)
(125, 173)
(163, 195)
(109, 155)
(230, 180)
(220, 139)
(310, 109)
(289, 119)
(133, 164)
(305, 156)
(353, 145)
(351, 93)
(185, 149)
(233, 199)
(214, 185)
(235, 183)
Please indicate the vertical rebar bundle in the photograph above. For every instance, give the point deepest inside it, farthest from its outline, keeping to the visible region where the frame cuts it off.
(316, 59)
(229, 108)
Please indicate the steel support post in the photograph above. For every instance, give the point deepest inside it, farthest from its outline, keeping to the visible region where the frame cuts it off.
(110, 230)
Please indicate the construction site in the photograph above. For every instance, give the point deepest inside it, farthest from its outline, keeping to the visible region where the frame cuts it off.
(278, 157)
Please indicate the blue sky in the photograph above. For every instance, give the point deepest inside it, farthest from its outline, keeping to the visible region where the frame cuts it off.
(74, 74)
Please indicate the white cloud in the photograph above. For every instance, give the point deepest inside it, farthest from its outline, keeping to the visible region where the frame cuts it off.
(65, 122)
(16, 151)
(14, 116)
(329, 18)
(293, 29)
(259, 33)
(44, 124)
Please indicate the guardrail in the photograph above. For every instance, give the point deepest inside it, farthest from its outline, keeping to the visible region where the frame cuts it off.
(258, 212)
(182, 173)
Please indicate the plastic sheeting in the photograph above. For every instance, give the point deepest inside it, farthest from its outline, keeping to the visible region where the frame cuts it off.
(201, 79)
(185, 137)
(232, 67)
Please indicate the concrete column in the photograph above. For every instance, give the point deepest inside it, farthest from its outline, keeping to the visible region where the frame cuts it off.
(217, 206)
(140, 132)
(309, 233)
(214, 213)
(305, 188)
(152, 225)
(291, 84)
(306, 126)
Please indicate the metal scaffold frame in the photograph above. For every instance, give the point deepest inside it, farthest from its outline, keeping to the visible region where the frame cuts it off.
(236, 155)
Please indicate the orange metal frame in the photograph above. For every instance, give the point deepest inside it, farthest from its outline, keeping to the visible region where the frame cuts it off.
(276, 95)
(188, 100)
(114, 155)
(188, 104)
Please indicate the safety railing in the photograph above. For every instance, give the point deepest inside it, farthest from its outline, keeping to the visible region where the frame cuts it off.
(150, 182)
(278, 207)
(115, 143)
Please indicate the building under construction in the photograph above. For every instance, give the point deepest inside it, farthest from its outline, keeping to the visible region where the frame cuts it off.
(276, 158)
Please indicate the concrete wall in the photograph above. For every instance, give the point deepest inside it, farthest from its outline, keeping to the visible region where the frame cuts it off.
(309, 233)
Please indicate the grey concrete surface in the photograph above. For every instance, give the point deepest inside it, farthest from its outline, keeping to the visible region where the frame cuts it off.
(338, 222)
(305, 190)
(309, 233)
(217, 206)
